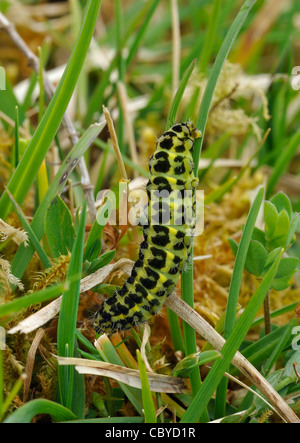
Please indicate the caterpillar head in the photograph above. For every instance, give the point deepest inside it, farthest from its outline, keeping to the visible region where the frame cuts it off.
(194, 132)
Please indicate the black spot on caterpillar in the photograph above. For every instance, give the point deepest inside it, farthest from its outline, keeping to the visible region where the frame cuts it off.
(166, 247)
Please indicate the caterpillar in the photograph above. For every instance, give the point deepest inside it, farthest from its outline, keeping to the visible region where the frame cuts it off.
(166, 247)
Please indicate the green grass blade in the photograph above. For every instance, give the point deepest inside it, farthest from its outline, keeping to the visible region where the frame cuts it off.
(210, 35)
(175, 331)
(41, 406)
(258, 352)
(136, 42)
(280, 311)
(189, 336)
(231, 346)
(110, 420)
(148, 404)
(214, 77)
(178, 96)
(17, 138)
(110, 355)
(280, 346)
(234, 290)
(33, 239)
(99, 92)
(68, 315)
(235, 283)
(34, 155)
(20, 303)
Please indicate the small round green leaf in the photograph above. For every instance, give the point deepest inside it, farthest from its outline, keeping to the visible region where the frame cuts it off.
(256, 258)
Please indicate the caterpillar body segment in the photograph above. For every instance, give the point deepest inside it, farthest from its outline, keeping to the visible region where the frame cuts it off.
(167, 235)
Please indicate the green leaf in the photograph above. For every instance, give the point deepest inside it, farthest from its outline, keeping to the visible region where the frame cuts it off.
(284, 341)
(25, 413)
(59, 228)
(258, 352)
(100, 262)
(234, 245)
(109, 420)
(273, 379)
(287, 266)
(20, 303)
(93, 244)
(109, 354)
(271, 258)
(68, 317)
(256, 258)
(232, 419)
(259, 236)
(186, 365)
(279, 237)
(8, 104)
(239, 265)
(279, 284)
(148, 404)
(215, 74)
(234, 290)
(289, 367)
(293, 226)
(271, 218)
(283, 161)
(178, 96)
(281, 201)
(33, 239)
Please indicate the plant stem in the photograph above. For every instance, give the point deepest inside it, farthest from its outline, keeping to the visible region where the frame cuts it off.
(267, 314)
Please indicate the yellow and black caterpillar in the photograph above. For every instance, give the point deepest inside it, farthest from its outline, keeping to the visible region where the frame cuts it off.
(166, 246)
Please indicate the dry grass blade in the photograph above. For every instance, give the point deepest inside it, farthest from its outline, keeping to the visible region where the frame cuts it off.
(30, 362)
(52, 309)
(131, 377)
(146, 336)
(115, 143)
